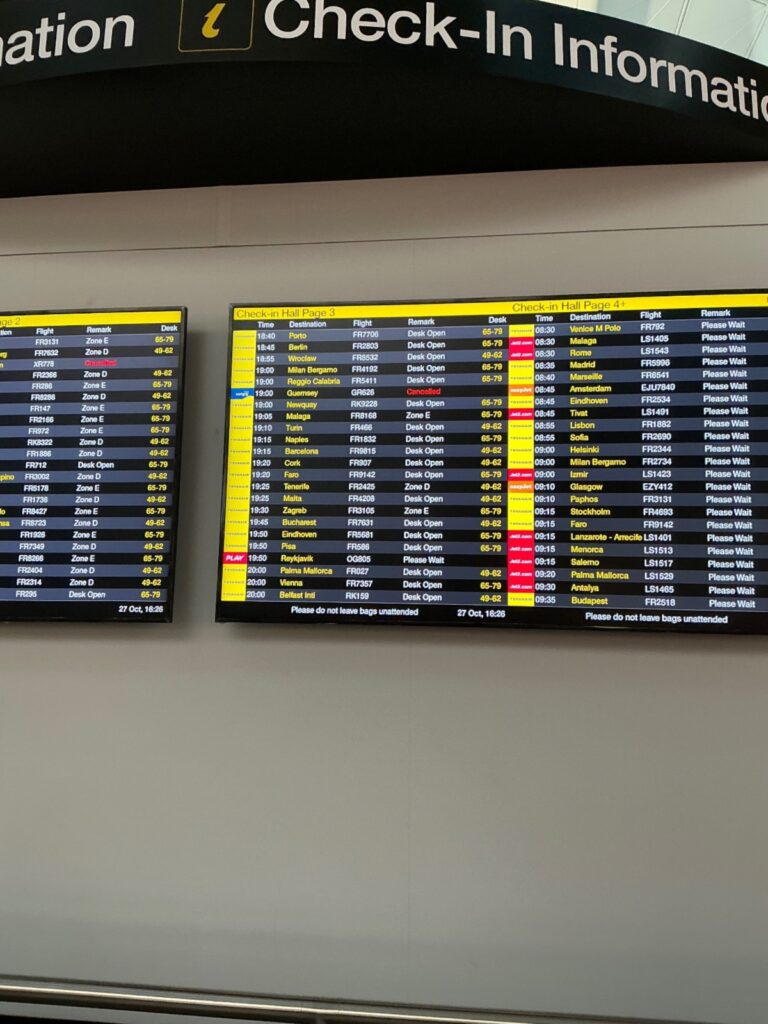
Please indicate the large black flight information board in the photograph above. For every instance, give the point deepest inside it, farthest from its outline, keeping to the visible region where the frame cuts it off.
(90, 406)
(585, 461)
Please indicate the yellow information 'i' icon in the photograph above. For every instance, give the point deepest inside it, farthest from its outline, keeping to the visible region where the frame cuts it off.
(222, 25)
(209, 25)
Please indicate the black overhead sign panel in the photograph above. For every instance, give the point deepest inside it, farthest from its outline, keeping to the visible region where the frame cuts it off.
(519, 38)
(384, 59)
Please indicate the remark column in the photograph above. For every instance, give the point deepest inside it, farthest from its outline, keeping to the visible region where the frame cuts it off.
(521, 547)
(237, 513)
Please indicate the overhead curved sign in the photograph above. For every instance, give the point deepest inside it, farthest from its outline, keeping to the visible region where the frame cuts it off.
(517, 38)
(575, 89)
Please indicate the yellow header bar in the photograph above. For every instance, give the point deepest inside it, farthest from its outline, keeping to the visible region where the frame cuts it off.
(505, 307)
(84, 319)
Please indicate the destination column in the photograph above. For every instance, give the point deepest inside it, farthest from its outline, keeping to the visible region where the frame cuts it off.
(597, 462)
(316, 492)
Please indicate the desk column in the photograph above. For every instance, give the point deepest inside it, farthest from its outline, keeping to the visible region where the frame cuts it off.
(237, 512)
(521, 547)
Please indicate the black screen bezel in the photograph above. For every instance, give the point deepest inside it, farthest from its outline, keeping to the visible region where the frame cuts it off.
(749, 623)
(49, 611)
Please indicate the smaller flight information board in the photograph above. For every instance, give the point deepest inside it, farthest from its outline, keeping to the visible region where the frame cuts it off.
(90, 409)
(580, 461)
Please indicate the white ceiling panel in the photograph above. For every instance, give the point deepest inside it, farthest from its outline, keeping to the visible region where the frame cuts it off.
(732, 26)
(661, 14)
(760, 51)
(740, 26)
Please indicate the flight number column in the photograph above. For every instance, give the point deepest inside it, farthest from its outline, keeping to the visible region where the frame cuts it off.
(30, 500)
(364, 514)
(667, 407)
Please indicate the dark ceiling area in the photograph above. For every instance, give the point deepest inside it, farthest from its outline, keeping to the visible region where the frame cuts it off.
(244, 122)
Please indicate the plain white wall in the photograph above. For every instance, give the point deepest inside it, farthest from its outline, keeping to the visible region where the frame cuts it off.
(546, 821)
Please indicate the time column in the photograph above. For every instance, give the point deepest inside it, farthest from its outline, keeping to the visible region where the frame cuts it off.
(521, 542)
(237, 500)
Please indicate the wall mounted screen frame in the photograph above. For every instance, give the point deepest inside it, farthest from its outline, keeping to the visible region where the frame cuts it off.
(568, 559)
(74, 352)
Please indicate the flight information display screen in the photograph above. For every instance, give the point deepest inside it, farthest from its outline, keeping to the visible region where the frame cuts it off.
(89, 450)
(585, 461)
